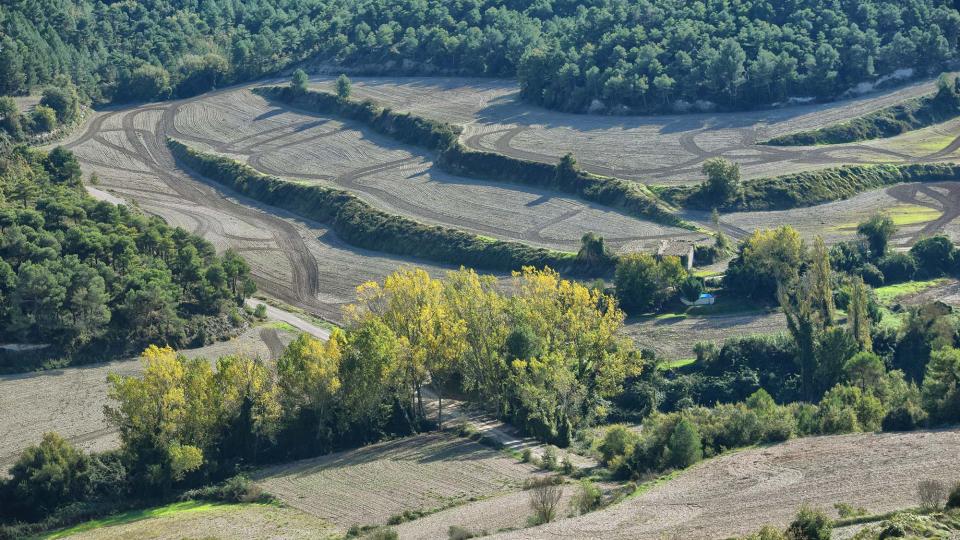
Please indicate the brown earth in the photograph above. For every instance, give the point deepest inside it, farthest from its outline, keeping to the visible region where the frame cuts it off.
(70, 401)
(368, 485)
(738, 493)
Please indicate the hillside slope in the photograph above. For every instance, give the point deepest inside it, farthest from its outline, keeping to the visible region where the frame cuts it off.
(738, 493)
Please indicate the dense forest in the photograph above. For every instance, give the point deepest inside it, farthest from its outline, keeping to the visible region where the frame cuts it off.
(599, 55)
(80, 275)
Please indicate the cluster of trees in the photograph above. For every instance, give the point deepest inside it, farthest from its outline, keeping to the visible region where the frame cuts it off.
(59, 105)
(836, 370)
(151, 49)
(84, 275)
(644, 282)
(546, 357)
(613, 55)
(870, 258)
(651, 55)
(865, 396)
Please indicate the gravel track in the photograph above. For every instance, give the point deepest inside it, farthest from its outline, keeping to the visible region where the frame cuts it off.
(736, 494)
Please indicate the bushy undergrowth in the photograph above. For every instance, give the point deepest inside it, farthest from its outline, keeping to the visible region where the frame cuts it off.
(811, 187)
(633, 198)
(364, 226)
(912, 114)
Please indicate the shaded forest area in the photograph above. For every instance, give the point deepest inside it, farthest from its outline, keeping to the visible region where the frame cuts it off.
(599, 55)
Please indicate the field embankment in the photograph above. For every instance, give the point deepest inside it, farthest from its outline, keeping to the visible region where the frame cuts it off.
(369, 485)
(813, 187)
(890, 121)
(192, 519)
(736, 494)
(364, 226)
(443, 138)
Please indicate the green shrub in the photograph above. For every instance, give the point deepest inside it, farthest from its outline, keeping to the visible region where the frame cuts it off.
(684, 447)
(619, 440)
(549, 460)
(455, 532)
(887, 122)
(810, 525)
(631, 197)
(588, 497)
(953, 500)
(359, 224)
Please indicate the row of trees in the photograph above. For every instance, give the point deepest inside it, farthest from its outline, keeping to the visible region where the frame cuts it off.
(81, 274)
(606, 55)
(545, 357)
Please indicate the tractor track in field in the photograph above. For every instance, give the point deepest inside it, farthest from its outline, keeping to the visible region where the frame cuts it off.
(154, 155)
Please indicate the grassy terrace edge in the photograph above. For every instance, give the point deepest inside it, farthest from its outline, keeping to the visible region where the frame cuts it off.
(909, 115)
(811, 188)
(363, 226)
(632, 198)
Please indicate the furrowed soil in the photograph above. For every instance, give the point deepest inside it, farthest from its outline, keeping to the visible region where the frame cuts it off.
(668, 149)
(70, 401)
(738, 493)
(222, 522)
(307, 266)
(367, 486)
(397, 178)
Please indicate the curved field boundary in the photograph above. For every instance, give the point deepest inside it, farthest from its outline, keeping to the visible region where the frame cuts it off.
(736, 494)
(632, 198)
(891, 121)
(813, 187)
(364, 226)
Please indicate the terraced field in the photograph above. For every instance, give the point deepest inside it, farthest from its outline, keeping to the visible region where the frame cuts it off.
(300, 262)
(306, 265)
(227, 521)
(70, 401)
(657, 150)
(736, 494)
(397, 178)
(368, 485)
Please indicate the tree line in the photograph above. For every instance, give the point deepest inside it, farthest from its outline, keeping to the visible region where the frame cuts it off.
(85, 276)
(546, 356)
(604, 55)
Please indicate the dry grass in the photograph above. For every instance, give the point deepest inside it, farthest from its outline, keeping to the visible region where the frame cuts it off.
(222, 522)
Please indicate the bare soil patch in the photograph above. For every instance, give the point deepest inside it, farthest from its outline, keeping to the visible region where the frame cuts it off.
(249, 521)
(666, 149)
(738, 493)
(368, 485)
(673, 338)
(70, 401)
